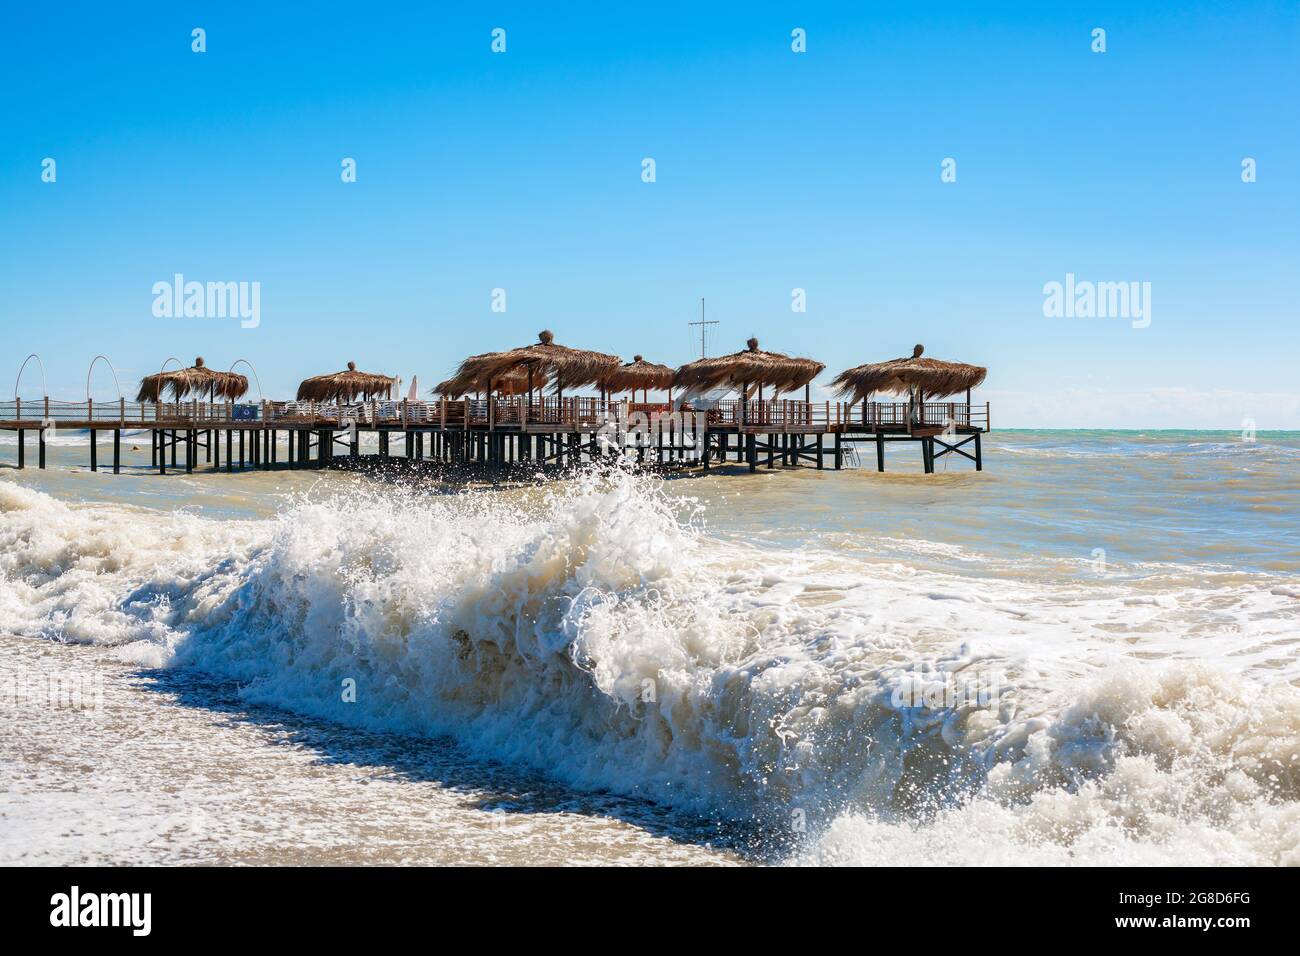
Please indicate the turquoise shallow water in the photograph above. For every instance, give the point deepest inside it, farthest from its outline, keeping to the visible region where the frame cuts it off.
(1191, 498)
(1047, 501)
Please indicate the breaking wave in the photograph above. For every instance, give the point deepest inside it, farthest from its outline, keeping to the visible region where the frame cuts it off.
(845, 710)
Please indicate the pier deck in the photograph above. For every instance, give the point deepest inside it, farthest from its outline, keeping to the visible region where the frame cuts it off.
(551, 431)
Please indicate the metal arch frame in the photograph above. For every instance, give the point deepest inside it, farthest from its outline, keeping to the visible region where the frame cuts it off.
(90, 370)
(256, 378)
(45, 388)
(158, 395)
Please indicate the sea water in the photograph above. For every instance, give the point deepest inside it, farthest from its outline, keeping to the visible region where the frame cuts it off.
(1087, 653)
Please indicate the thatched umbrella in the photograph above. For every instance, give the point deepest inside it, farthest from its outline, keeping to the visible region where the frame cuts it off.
(569, 368)
(639, 374)
(929, 378)
(346, 386)
(748, 371)
(514, 383)
(197, 379)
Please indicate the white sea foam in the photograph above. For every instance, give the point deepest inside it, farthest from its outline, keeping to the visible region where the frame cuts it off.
(596, 632)
(72, 437)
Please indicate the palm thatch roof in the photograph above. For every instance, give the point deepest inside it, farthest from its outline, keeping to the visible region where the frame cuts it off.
(198, 379)
(934, 378)
(512, 383)
(346, 386)
(568, 368)
(638, 375)
(748, 369)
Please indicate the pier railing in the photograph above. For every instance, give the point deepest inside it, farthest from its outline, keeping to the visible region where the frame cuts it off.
(578, 412)
(790, 414)
(959, 415)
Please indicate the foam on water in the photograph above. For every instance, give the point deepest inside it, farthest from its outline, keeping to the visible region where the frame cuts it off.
(599, 632)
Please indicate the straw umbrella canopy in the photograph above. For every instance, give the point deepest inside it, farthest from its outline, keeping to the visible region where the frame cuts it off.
(639, 375)
(514, 383)
(197, 379)
(567, 367)
(746, 371)
(346, 386)
(930, 378)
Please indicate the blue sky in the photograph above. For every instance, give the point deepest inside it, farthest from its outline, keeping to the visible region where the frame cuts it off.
(775, 171)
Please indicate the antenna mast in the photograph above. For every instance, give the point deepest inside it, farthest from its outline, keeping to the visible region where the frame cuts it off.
(702, 324)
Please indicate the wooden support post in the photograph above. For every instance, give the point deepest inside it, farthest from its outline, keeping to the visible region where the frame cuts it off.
(927, 455)
(880, 451)
(241, 449)
(117, 451)
(820, 465)
(162, 451)
(154, 446)
(22, 448)
(189, 451)
(230, 457)
(40, 448)
(171, 443)
(839, 451)
(751, 452)
(94, 452)
(979, 455)
(355, 449)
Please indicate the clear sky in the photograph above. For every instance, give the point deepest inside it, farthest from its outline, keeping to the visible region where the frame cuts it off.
(775, 170)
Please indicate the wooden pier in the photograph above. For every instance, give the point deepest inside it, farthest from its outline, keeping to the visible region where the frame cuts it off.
(547, 432)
